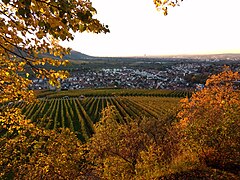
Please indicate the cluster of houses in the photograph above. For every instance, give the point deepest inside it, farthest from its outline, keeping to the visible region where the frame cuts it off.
(172, 77)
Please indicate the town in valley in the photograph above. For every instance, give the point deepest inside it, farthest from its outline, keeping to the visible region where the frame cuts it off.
(174, 73)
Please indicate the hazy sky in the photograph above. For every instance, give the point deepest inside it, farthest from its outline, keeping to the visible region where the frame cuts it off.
(137, 29)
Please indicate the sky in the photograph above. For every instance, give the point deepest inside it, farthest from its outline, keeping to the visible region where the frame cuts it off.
(138, 29)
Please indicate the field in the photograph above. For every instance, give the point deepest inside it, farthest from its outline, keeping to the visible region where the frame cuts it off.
(80, 114)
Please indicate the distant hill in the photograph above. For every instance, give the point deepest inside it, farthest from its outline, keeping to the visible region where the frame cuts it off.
(74, 55)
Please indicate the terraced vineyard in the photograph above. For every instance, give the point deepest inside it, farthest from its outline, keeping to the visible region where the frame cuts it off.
(80, 114)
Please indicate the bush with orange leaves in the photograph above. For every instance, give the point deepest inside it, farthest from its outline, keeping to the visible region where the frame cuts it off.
(210, 121)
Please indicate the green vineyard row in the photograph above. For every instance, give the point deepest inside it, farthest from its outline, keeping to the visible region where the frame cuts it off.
(114, 92)
(80, 114)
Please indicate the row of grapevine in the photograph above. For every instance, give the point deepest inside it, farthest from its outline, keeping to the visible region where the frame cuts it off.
(86, 117)
(69, 115)
(92, 107)
(160, 106)
(56, 117)
(115, 92)
(36, 114)
(121, 109)
(128, 108)
(80, 115)
(96, 110)
(120, 118)
(83, 128)
(144, 111)
(180, 94)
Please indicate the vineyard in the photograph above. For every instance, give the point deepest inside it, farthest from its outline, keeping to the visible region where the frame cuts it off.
(108, 92)
(79, 114)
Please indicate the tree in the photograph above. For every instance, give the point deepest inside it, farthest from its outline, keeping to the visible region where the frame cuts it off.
(163, 5)
(28, 151)
(115, 148)
(29, 28)
(210, 121)
(139, 149)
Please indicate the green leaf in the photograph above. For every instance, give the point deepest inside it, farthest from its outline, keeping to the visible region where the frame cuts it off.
(41, 23)
(79, 15)
(64, 21)
(82, 27)
(27, 2)
(21, 11)
(6, 1)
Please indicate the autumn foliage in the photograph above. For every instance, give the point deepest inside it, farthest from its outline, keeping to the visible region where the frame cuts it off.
(202, 141)
(132, 150)
(31, 151)
(162, 5)
(30, 28)
(210, 121)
